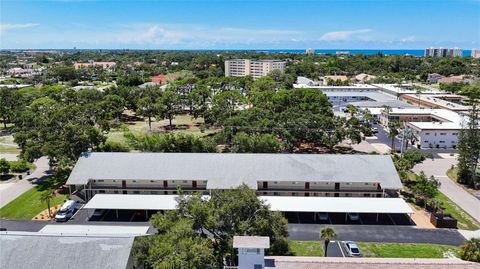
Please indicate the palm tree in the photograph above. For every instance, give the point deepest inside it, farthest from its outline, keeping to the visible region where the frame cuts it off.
(45, 197)
(327, 234)
(409, 136)
(393, 132)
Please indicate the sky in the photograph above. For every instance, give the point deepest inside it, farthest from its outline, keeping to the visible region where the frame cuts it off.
(231, 24)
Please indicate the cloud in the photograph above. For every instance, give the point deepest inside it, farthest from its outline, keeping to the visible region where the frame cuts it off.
(7, 26)
(343, 35)
(408, 39)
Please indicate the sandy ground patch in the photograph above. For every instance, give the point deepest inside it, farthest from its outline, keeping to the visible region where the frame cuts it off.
(380, 147)
(44, 214)
(421, 218)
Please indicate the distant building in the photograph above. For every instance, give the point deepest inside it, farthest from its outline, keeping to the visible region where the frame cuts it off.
(364, 77)
(104, 65)
(310, 51)
(443, 52)
(254, 68)
(475, 53)
(433, 78)
(324, 80)
(451, 79)
(162, 79)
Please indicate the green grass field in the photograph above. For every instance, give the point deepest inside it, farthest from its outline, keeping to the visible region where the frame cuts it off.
(452, 173)
(7, 145)
(379, 250)
(306, 248)
(405, 250)
(28, 205)
(465, 221)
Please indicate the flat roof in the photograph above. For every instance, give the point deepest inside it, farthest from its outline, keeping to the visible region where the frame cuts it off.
(277, 203)
(296, 262)
(337, 204)
(251, 242)
(230, 170)
(42, 251)
(376, 96)
(132, 202)
(94, 230)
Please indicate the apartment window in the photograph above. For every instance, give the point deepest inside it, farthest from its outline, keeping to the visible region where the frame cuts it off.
(101, 191)
(134, 181)
(426, 141)
(114, 180)
(366, 195)
(454, 133)
(116, 192)
(442, 141)
(443, 133)
(348, 183)
(101, 180)
(348, 195)
(427, 133)
(327, 194)
(136, 192)
(366, 184)
(152, 181)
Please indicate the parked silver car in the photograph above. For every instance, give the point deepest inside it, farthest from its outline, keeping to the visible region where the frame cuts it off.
(352, 249)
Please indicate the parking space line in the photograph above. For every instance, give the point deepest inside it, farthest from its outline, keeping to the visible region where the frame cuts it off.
(73, 217)
(105, 214)
(391, 219)
(341, 250)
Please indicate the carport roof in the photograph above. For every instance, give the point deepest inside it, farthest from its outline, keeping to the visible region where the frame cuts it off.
(230, 170)
(337, 204)
(277, 203)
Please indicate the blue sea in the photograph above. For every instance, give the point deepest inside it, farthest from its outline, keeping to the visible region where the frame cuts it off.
(413, 52)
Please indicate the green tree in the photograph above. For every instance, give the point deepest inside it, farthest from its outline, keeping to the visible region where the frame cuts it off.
(4, 166)
(45, 197)
(327, 234)
(470, 251)
(425, 188)
(169, 106)
(469, 139)
(177, 245)
(256, 143)
(147, 108)
(227, 213)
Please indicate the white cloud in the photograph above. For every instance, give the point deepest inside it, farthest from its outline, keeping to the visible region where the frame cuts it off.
(408, 39)
(343, 35)
(7, 26)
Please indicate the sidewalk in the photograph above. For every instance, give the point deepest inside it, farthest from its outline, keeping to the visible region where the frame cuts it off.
(13, 190)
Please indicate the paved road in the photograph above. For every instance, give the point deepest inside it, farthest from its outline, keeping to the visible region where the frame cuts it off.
(438, 168)
(13, 190)
(377, 233)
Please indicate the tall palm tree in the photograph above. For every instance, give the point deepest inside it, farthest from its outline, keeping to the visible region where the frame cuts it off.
(45, 197)
(327, 234)
(409, 136)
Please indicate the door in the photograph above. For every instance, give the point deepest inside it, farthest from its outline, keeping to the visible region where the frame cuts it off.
(265, 185)
(337, 186)
(124, 184)
(307, 185)
(165, 184)
(194, 184)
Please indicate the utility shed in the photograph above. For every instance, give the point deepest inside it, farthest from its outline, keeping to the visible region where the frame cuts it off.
(28, 250)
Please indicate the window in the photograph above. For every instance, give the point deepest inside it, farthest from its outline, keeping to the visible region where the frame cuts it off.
(136, 192)
(101, 180)
(101, 191)
(443, 133)
(427, 133)
(366, 195)
(134, 181)
(442, 141)
(152, 181)
(426, 141)
(366, 184)
(454, 133)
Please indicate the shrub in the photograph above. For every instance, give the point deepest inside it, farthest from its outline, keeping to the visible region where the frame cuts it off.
(18, 166)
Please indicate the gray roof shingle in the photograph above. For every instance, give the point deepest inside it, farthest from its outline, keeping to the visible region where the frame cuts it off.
(229, 170)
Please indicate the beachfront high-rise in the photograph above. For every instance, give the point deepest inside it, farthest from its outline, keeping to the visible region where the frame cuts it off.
(475, 53)
(443, 52)
(254, 68)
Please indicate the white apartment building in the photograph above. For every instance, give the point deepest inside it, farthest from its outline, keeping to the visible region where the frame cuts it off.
(475, 53)
(443, 52)
(254, 68)
(434, 128)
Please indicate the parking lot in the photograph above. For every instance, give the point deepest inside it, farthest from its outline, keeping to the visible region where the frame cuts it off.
(342, 218)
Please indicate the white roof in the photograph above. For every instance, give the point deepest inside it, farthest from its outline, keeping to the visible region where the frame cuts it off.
(277, 203)
(251, 242)
(94, 230)
(132, 201)
(230, 170)
(450, 120)
(337, 204)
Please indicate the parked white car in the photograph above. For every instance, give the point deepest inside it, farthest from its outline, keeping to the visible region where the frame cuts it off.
(352, 249)
(67, 210)
(353, 216)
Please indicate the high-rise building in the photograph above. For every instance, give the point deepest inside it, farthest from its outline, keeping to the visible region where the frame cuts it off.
(310, 51)
(443, 52)
(475, 53)
(254, 68)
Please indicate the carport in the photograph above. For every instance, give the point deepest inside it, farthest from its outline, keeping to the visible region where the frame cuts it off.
(132, 202)
(338, 205)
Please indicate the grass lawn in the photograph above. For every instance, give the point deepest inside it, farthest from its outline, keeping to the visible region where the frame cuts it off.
(7, 145)
(405, 250)
(28, 205)
(465, 221)
(452, 173)
(306, 248)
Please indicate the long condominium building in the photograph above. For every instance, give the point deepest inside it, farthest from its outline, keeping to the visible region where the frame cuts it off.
(443, 52)
(254, 68)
